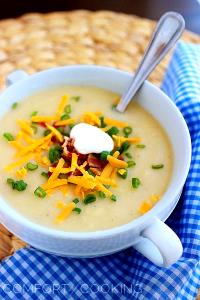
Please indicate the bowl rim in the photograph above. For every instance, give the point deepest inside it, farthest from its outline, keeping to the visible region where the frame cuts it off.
(18, 218)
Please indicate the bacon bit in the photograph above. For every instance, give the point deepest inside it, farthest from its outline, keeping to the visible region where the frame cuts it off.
(94, 162)
(96, 171)
(42, 124)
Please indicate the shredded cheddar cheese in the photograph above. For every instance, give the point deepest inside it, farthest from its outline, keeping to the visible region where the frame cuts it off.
(44, 119)
(21, 173)
(25, 126)
(65, 212)
(145, 207)
(18, 163)
(113, 122)
(74, 162)
(117, 163)
(121, 139)
(91, 118)
(55, 132)
(65, 122)
(56, 171)
(54, 184)
(62, 105)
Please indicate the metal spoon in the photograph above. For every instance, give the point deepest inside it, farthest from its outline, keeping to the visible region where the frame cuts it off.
(167, 32)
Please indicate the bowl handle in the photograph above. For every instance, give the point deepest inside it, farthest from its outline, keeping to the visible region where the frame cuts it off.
(15, 76)
(160, 244)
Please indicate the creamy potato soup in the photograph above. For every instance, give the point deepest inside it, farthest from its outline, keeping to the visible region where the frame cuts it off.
(71, 162)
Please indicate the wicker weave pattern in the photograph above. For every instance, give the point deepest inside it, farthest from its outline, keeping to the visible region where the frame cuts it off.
(38, 41)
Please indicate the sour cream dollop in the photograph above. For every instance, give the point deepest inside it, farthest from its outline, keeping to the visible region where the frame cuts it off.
(90, 139)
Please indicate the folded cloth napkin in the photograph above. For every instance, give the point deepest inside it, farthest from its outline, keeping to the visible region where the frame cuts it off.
(31, 274)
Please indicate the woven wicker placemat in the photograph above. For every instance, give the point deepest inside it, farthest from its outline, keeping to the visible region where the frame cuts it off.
(38, 41)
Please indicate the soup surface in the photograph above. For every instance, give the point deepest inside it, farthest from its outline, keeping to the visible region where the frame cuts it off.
(138, 185)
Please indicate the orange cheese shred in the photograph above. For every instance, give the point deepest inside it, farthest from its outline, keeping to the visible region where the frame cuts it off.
(65, 212)
(18, 163)
(21, 173)
(145, 207)
(121, 139)
(74, 162)
(44, 119)
(55, 132)
(91, 118)
(25, 126)
(56, 183)
(116, 163)
(113, 122)
(56, 171)
(65, 122)
(62, 105)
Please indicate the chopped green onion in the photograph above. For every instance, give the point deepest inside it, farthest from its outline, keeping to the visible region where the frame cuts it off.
(14, 105)
(77, 209)
(114, 106)
(89, 199)
(55, 154)
(107, 186)
(71, 126)
(124, 175)
(127, 131)
(90, 172)
(31, 167)
(125, 146)
(65, 117)
(128, 155)
(113, 198)
(34, 113)
(10, 180)
(113, 130)
(8, 136)
(68, 109)
(35, 128)
(76, 98)
(135, 183)
(18, 185)
(156, 167)
(131, 163)
(46, 132)
(76, 200)
(40, 192)
(61, 130)
(45, 174)
(141, 146)
(101, 195)
(104, 155)
(103, 124)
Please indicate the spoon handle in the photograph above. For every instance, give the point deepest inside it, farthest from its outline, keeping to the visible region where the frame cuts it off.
(167, 32)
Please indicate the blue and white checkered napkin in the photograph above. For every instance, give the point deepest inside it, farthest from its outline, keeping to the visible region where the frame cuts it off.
(31, 274)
